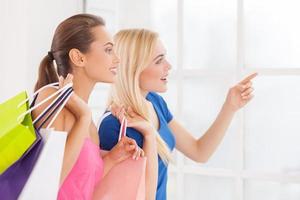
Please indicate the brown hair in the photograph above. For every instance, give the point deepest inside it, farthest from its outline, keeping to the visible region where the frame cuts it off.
(74, 32)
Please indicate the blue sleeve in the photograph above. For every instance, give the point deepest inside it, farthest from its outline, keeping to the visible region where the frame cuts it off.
(109, 133)
(166, 111)
(164, 107)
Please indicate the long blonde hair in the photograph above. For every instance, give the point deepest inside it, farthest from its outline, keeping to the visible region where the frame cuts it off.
(135, 48)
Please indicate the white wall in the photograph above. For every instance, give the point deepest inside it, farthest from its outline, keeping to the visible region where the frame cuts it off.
(134, 14)
(26, 30)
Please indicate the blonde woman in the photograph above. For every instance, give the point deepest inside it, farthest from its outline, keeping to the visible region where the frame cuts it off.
(143, 71)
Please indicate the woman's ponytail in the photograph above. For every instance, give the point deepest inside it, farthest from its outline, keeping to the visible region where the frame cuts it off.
(47, 72)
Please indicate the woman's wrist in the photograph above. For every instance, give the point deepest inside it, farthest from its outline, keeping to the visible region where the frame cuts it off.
(228, 110)
(149, 132)
(108, 163)
(228, 107)
(108, 160)
(150, 137)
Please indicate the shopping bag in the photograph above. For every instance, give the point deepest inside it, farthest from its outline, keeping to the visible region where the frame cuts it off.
(14, 178)
(16, 135)
(126, 180)
(43, 182)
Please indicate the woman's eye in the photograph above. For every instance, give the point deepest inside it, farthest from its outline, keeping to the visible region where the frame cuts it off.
(108, 50)
(159, 61)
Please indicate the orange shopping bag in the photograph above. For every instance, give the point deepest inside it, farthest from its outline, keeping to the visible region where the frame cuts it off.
(126, 180)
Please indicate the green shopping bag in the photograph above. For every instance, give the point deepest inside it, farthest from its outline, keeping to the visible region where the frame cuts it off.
(16, 130)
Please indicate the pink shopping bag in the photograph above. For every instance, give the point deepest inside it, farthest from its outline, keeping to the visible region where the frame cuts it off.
(126, 180)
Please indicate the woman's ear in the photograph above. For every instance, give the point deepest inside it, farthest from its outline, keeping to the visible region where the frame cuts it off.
(77, 58)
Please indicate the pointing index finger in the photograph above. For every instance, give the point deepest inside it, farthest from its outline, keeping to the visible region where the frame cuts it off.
(249, 78)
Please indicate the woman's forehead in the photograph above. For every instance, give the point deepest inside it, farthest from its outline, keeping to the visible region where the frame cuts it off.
(159, 48)
(102, 35)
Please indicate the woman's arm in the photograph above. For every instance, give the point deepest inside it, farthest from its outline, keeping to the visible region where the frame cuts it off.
(201, 149)
(150, 149)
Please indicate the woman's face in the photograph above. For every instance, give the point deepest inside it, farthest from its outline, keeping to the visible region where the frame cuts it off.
(101, 60)
(155, 77)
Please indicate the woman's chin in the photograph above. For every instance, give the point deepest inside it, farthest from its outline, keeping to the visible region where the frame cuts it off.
(162, 89)
(107, 80)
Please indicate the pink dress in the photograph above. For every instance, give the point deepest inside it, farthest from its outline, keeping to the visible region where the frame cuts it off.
(85, 174)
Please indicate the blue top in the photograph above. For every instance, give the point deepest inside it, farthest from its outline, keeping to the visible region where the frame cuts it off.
(109, 133)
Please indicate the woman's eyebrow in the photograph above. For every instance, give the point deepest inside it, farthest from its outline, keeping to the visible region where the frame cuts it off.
(109, 43)
(160, 55)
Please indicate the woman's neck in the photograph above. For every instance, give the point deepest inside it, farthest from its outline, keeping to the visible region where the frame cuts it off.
(83, 86)
(144, 93)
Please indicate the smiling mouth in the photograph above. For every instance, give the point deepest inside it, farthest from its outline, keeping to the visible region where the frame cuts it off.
(113, 70)
(165, 79)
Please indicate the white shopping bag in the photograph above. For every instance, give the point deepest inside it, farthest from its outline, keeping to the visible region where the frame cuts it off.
(43, 182)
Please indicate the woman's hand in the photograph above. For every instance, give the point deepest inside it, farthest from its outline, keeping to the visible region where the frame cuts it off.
(240, 94)
(75, 104)
(134, 120)
(124, 149)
